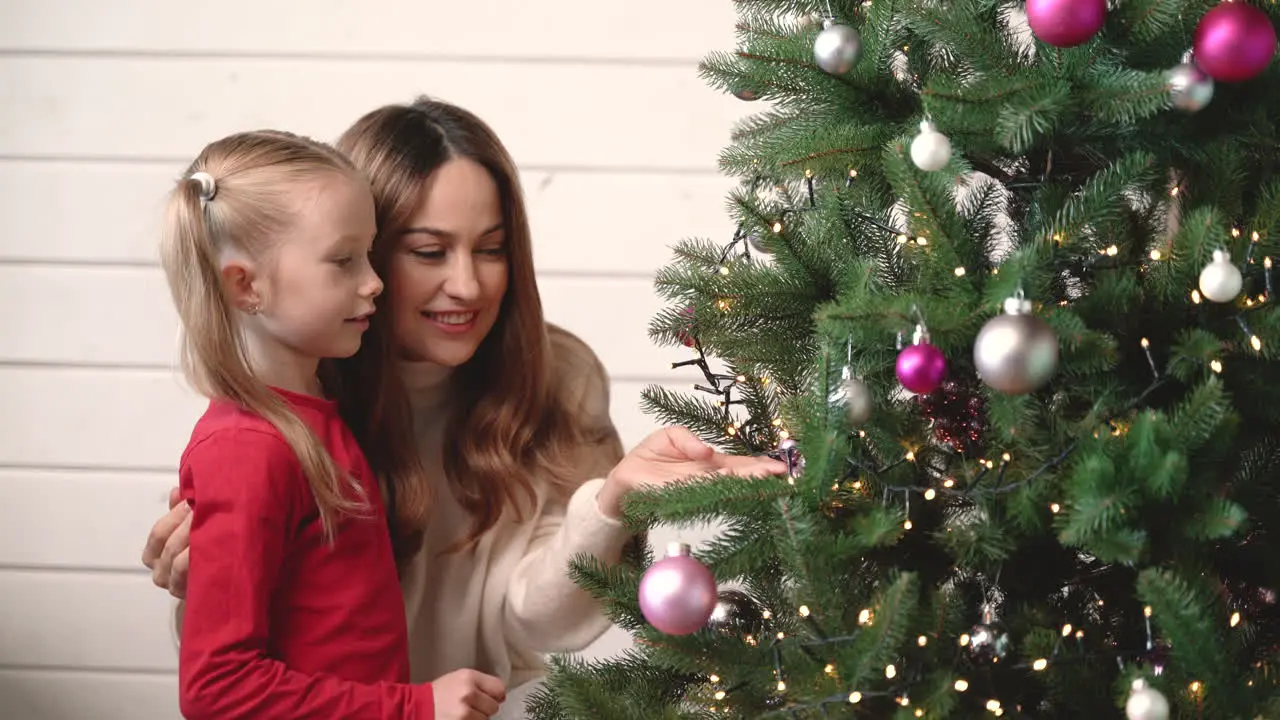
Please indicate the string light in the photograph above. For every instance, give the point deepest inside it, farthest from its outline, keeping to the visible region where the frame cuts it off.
(1235, 619)
(961, 685)
(855, 697)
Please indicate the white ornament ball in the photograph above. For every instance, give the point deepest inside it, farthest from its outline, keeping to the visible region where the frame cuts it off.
(1190, 88)
(1146, 703)
(930, 150)
(837, 48)
(1220, 280)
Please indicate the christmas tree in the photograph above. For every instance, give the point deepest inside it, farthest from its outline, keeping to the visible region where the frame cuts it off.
(1001, 295)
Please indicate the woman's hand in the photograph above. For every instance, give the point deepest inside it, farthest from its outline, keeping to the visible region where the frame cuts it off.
(166, 550)
(673, 454)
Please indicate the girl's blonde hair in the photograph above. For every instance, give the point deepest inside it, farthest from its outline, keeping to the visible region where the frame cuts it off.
(510, 419)
(237, 195)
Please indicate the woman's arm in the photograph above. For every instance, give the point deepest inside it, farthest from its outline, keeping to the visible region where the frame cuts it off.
(246, 495)
(545, 610)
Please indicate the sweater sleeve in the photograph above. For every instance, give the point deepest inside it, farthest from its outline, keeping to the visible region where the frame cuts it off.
(546, 611)
(247, 491)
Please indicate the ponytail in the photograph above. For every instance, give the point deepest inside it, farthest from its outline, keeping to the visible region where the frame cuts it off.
(201, 220)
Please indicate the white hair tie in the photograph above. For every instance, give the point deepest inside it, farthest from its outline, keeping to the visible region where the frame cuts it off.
(208, 188)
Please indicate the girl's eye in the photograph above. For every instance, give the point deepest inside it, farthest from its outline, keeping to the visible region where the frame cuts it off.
(342, 261)
(428, 254)
(499, 250)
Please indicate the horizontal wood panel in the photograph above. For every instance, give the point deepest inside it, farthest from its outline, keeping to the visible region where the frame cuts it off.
(658, 29)
(582, 221)
(125, 419)
(86, 621)
(124, 315)
(91, 695)
(85, 519)
(596, 116)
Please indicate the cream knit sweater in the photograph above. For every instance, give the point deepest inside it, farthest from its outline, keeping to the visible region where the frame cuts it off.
(500, 605)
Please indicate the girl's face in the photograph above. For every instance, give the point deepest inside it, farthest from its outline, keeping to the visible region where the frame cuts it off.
(448, 269)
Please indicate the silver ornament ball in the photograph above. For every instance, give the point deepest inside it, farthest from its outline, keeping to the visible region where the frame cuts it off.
(736, 614)
(854, 396)
(988, 640)
(1190, 88)
(1145, 703)
(1220, 280)
(837, 48)
(1016, 352)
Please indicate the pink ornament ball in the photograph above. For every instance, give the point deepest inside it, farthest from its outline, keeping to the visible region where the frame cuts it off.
(678, 593)
(1066, 23)
(921, 368)
(1235, 41)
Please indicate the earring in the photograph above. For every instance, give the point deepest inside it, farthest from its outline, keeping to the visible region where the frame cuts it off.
(254, 309)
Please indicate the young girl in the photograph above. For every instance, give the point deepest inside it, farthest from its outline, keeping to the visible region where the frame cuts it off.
(294, 611)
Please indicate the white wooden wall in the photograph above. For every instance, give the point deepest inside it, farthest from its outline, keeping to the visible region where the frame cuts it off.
(101, 106)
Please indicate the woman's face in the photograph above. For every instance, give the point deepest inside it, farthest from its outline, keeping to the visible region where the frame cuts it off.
(448, 270)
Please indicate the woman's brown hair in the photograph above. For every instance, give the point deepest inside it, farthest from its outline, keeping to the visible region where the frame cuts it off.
(508, 415)
(237, 194)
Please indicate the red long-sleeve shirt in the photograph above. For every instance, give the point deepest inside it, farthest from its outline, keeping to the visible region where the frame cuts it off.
(277, 623)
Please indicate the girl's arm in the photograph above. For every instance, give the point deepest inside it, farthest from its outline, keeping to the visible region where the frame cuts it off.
(247, 494)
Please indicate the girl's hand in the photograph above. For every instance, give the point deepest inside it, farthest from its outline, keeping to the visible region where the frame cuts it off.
(166, 550)
(673, 454)
(467, 695)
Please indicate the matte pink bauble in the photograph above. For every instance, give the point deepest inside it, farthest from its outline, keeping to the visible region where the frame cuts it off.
(921, 368)
(1066, 23)
(677, 593)
(1235, 41)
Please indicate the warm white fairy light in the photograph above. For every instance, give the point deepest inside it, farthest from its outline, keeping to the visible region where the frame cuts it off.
(922, 641)
(855, 697)
(902, 239)
(1155, 254)
(1235, 619)
(714, 679)
(890, 671)
(961, 685)
(767, 615)
(922, 241)
(960, 271)
(1195, 296)
(1040, 664)
(1255, 342)
(1066, 630)
(782, 686)
(777, 226)
(1055, 508)
(864, 617)
(930, 494)
(1215, 365)
(829, 669)
(719, 694)
(804, 611)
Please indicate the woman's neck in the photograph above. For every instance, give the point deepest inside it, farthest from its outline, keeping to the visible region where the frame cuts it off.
(426, 382)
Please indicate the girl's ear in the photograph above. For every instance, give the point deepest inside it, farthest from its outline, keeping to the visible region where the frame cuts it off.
(240, 283)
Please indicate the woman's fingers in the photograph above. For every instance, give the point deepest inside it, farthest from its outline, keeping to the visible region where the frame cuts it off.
(749, 465)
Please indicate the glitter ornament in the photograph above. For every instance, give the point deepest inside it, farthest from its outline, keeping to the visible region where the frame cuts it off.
(686, 335)
(1234, 41)
(921, 366)
(1066, 23)
(1145, 703)
(837, 48)
(1016, 352)
(1190, 88)
(677, 594)
(1220, 280)
(958, 415)
(930, 150)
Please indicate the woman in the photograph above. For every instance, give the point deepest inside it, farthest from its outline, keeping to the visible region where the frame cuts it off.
(510, 415)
